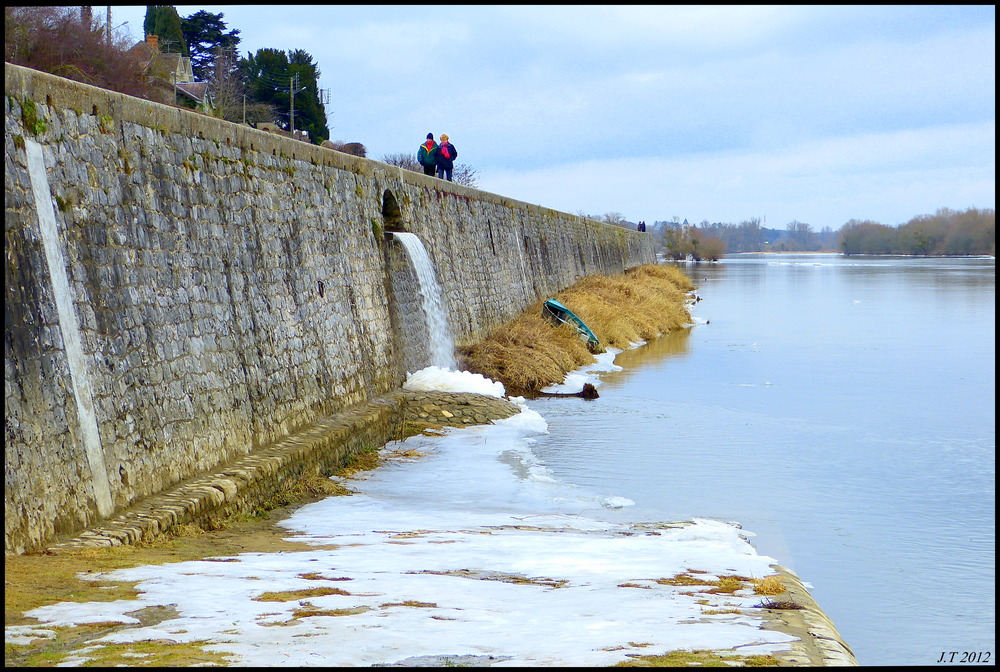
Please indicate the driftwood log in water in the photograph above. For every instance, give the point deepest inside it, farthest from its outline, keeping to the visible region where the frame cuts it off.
(588, 392)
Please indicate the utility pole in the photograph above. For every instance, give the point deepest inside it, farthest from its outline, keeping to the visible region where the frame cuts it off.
(292, 81)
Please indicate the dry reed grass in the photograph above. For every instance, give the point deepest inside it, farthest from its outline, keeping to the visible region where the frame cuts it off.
(769, 585)
(528, 353)
(728, 584)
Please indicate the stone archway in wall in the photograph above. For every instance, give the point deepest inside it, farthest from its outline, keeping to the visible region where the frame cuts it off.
(392, 216)
(409, 331)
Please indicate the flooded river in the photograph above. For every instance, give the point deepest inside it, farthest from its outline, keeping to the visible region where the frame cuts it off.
(840, 408)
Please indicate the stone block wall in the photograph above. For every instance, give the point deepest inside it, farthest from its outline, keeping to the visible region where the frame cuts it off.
(202, 290)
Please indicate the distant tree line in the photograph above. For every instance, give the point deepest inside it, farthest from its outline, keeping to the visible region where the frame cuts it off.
(947, 232)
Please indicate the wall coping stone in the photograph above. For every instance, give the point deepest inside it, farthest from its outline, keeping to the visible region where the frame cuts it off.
(60, 92)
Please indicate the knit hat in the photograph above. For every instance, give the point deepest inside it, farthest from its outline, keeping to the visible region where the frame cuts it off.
(430, 136)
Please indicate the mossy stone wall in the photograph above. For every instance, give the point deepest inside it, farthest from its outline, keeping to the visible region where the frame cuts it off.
(231, 286)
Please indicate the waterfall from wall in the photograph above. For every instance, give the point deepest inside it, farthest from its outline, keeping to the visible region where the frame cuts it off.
(440, 344)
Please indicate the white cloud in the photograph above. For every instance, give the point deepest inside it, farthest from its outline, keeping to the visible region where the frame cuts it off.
(888, 177)
(725, 111)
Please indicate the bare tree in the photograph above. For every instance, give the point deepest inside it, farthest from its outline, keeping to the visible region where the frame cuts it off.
(402, 160)
(615, 219)
(73, 43)
(466, 175)
(463, 173)
(226, 87)
(802, 235)
(353, 148)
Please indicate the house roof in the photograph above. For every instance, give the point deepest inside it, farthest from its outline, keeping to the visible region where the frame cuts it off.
(177, 67)
(196, 91)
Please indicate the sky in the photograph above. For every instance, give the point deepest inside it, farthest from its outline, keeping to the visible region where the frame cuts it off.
(814, 114)
(438, 574)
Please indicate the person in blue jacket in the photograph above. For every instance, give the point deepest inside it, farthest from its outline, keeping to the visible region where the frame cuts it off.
(446, 156)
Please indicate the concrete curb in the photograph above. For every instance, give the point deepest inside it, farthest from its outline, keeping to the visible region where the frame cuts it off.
(819, 645)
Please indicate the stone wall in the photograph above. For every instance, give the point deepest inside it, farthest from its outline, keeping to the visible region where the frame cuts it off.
(183, 291)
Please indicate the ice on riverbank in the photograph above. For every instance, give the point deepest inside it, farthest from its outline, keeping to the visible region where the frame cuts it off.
(468, 551)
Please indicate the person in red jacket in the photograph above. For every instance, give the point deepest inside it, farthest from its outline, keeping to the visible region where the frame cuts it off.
(446, 158)
(427, 155)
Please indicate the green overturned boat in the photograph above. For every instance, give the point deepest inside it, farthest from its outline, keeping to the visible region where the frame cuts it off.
(559, 313)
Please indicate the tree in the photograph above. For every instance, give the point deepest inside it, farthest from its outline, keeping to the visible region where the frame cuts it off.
(462, 174)
(267, 85)
(614, 219)
(946, 232)
(466, 175)
(402, 160)
(164, 22)
(207, 40)
(225, 85)
(310, 115)
(713, 248)
(287, 82)
(866, 237)
(802, 235)
(675, 240)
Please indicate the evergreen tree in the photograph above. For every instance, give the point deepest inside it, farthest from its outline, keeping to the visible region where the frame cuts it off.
(266, 76)
(164, 22)
(206, 37)
(309, 112)
(273, 77)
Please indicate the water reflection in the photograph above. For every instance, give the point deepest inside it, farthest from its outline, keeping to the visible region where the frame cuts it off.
(674, 344)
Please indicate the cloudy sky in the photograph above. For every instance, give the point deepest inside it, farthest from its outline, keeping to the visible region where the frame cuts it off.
(719, 113)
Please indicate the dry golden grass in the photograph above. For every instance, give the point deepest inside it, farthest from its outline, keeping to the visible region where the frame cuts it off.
(528, 353)
(685, 580)
(364, 460)
(728, 584)
(701, 658)
(308, 612)
(290, 595)
(769, 585)
(638, 305)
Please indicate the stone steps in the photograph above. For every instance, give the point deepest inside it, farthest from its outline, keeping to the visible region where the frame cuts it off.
(245, 484)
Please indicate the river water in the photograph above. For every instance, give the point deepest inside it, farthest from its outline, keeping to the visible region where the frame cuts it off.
(842, 409)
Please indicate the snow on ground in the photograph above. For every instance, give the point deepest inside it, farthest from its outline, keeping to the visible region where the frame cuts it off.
(469, 550)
